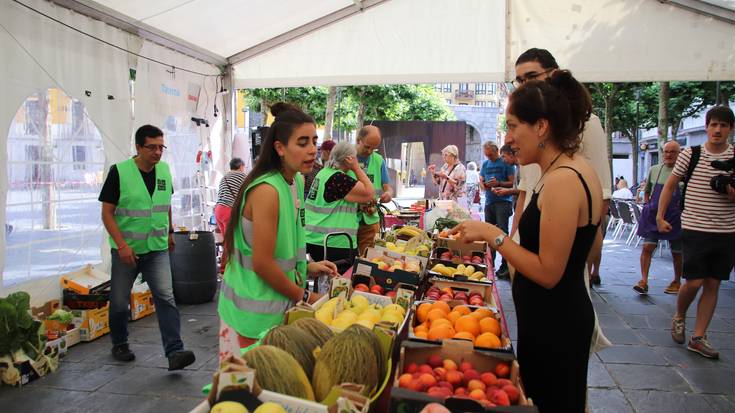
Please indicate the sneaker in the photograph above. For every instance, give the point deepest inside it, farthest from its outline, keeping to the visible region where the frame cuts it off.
(677, 330)
(673, 288)
(702, 346)
(121, 352)
(180, 359)
(641, 288)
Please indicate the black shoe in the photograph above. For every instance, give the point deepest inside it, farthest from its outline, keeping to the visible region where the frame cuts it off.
(180, 359)
(121, 352)
(503, 274)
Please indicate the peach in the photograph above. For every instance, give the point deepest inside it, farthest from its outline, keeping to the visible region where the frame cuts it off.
(440, 373)
(512, 392)
(502, 370)
(428, 380)
(460, 391)
(446, 384)
(454, 377)
(503, 382)
(425, 368)
(450, 364)
(434, 361)
(465, 365)
(476, 384)
(411, 368)
(471, 374)
(500, 398)
(416, 385)
(405, 380)
(488, 378)
(478, 394)
(440, 392)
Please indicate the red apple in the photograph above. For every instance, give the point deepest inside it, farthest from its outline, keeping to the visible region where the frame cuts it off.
(503, 382)
(391, 294)
(416, 385)
(477, 394)
(446, 384)
(454, 377)
(376, 289)
(500, 398)
(362, 287)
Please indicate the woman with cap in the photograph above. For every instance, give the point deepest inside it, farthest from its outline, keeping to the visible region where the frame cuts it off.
(331, 206)
(452, 175)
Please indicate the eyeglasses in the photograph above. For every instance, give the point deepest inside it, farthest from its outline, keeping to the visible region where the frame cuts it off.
(153, 148)
(519, 80)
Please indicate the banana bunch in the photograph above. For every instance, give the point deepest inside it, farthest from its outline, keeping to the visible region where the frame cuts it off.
(409, 231)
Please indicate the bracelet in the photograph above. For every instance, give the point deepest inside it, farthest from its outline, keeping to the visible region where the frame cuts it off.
(306, 296)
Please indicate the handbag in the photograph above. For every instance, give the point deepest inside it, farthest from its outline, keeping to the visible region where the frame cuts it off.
(476, 198)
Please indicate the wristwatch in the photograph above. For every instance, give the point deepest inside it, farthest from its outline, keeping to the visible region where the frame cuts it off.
(499, 240)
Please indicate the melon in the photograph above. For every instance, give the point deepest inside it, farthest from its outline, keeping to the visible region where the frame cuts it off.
(348, 357)
(279, 372)
(295, 342)
(315, 328)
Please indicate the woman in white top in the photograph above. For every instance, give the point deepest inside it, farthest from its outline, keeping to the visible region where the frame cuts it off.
(452, 175)
(473, 183)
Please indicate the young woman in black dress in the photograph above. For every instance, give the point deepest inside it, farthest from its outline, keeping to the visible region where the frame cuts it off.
(555, 317)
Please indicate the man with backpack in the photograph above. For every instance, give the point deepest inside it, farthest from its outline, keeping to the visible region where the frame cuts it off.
(708, 224)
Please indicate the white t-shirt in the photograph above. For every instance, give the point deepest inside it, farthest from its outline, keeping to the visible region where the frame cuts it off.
(622, 193)
(473, 177)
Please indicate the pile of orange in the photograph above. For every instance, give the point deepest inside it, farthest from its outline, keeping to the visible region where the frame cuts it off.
(437, 321)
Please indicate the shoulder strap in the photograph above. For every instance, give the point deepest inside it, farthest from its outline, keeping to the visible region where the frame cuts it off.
(586, 191)
(696, 154)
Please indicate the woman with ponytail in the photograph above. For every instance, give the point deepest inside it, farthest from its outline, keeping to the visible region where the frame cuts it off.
(265, 241)
(545, 120)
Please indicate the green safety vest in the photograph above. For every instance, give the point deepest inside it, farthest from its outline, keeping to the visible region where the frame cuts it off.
(246, 302)
(142, 218)
(374, 172)
(324, 217)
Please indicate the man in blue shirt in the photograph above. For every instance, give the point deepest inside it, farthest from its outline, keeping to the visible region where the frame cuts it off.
(495, 174)
(368, 141)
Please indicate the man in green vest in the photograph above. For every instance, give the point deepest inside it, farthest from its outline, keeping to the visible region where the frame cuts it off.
(136, 211)
(368, 140)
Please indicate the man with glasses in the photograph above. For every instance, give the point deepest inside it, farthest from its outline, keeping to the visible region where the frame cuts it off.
(136, 211)
(539, 64)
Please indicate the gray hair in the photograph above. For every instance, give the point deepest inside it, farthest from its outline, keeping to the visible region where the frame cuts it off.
(471, 166)
(340, 152)
(490, 144)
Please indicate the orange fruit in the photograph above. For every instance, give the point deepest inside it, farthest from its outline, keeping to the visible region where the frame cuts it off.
(481, 313)
(490, 325)
(442, 306)
(441, 332)
(420, 327)
(441, 321)
(487, 340)
(436, 313)
(422, 312)
(422, 334)
(462, 309)
(465, 335)
(454, 316)
(468, 324)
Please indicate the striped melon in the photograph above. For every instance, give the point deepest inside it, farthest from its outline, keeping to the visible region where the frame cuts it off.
(278, 371)
(295, 342)
(315, 328)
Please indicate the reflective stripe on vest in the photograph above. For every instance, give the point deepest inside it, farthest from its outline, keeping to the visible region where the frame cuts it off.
(254, 306)
(127, 212)
(285, 265)
(327, 217)
(326, 210)
(144, 235)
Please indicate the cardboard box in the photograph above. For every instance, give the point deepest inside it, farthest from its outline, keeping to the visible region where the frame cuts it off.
(483, 279)
(408, 401)
(73, 336)
(386, 279)
(141, 305)
(457, 259)
(460, 248)
(60, 344)
(86, 280)
(482, 288)
(92, 323)
(507, 345)
(46, 309)
(404, 293)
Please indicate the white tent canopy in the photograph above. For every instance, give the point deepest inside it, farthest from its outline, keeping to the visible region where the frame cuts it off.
(339, 42)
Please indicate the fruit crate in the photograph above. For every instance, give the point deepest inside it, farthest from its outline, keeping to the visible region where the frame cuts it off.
(471, 258)
(423, 382)
(485, 290)
(385, 277)
(435, 270)
(505, 346)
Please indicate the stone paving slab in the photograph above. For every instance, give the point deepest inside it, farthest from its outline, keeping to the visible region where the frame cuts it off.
(641, 377)
(666, 402)
(154, 381)
(712, 381)
(608, 401)
(631, 354)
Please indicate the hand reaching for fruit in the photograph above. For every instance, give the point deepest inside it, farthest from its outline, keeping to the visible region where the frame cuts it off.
(322, 267)
(471, 231)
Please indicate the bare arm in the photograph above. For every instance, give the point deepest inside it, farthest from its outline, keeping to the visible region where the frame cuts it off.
(265, 231)
(387, 193)
(363, 190)
(508, 183)
(663, 202)
(518, 212)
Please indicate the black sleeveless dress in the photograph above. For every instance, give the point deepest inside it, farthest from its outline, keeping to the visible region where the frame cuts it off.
(555, 325)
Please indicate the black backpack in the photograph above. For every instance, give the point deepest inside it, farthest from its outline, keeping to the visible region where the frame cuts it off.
(696, 154)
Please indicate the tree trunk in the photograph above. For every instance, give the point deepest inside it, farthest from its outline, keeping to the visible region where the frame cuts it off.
(635, 144)
(264, 110)
(675, 126)
(609, 128)
(361, 110)
(46, 157)
(663, 117)
(329, 115)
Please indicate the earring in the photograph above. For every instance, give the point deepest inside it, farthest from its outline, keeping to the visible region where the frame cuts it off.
(541, 145)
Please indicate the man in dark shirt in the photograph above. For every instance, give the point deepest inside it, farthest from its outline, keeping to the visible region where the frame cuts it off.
(137, 214)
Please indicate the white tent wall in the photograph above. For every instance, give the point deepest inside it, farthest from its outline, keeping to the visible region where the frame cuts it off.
(398, 41)
(625, 40)
(38, 54)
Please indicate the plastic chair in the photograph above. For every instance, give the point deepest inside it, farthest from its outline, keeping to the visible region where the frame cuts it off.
(627, 221)
(615, 217)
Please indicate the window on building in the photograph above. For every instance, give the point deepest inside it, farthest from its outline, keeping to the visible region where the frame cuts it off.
(79, 157)
(438, 87)
(447, 87)
(481, 103)
(492, 88)
(463, 87)
(480, 89)
(492, 104)
(52, 216)
(463, 104)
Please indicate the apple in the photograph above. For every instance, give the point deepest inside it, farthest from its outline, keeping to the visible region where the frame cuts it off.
(476, 301)
(445, 298)
(428, 380)
(460, 391)
(362, 287)
(377, 289)
(476, 384)
(460, 296)
(383, 266)
(391, 294)
(439, 392)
